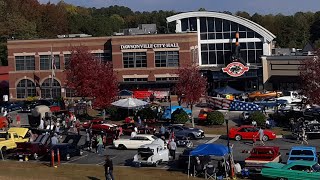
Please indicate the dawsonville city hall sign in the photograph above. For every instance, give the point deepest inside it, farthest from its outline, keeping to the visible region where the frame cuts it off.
(149, 46)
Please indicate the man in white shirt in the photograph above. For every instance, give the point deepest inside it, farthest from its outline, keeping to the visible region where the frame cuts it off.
(133, 134)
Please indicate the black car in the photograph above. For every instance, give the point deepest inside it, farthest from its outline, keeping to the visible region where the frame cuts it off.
(11, 106)
(27, 106)
(313, 130)
(68, 148)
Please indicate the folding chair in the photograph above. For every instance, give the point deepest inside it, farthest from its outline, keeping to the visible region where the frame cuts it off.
(210, 172)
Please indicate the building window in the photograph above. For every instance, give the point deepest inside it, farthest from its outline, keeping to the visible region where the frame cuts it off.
(25, 63)
(45, 62)
(135, 79)
(26, 88)
(102, 57)
(167, 58)
(167, 79)
(134, 59)
(67, 58)
(70, 92)
(189, 24)
(46, 87)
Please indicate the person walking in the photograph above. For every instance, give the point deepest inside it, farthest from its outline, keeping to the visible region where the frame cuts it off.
(88, 139)
(100, 144)
(139, 121)
(261, 134)
(172, 149)
(304, 136)
(108, 169)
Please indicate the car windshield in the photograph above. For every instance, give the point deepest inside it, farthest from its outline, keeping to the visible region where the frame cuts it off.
(302, 152)
(316, 167)
(154, 137)
(301, 158)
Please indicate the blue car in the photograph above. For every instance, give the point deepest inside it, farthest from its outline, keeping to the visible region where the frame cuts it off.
(306, 153)
(167, 112)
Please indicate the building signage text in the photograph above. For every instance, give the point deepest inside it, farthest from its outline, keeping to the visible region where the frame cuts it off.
(149, 46)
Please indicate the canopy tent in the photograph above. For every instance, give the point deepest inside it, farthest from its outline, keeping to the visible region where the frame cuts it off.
(129, 103)
(243, 106)
(209, 150)
(227, 90)
(125, 93)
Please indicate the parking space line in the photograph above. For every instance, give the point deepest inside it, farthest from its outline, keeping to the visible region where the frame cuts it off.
(76, 159)
(213, 140)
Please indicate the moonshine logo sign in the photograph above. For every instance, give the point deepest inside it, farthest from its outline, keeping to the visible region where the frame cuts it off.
(235, 69)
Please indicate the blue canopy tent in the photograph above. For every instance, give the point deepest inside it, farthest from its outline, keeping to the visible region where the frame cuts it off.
(243, 106)
(209, 150)
(227, 90)
(125, 93)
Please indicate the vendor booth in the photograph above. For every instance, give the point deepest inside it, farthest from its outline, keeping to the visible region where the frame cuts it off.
(217, 150)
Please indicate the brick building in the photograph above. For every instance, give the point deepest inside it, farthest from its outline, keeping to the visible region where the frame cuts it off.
(140, 62)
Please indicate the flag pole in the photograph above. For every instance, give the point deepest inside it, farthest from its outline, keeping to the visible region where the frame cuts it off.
(52, 73)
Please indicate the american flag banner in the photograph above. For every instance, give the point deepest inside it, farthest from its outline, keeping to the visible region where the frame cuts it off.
(232, 105)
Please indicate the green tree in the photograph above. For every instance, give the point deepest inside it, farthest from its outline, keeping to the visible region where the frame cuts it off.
(215, 117)
(259, 117)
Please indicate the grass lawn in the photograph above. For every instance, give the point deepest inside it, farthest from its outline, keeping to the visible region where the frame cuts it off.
(31, 171)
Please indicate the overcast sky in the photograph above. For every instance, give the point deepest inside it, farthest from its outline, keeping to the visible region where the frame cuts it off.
(251, 6)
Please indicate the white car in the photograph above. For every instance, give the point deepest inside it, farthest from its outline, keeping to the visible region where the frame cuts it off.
(135, 142)
(151, 154)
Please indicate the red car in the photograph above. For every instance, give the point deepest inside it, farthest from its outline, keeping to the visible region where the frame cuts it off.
(261, 155)
(203, 114)
(99, 125)
(128, 128)
(248, 132)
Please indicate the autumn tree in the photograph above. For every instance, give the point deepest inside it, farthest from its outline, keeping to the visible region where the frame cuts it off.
(90, 77)
(310, 78)
(191, 85)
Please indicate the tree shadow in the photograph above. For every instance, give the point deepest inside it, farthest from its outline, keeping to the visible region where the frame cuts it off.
(92, 178)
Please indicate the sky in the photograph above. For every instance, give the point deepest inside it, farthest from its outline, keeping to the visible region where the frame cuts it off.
(287, 7)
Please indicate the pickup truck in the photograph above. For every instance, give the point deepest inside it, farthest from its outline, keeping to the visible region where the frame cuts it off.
(10, 138)
(152, 154)
(306, 153)
(261, 155)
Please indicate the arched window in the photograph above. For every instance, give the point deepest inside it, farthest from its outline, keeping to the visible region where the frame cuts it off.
(47, 86)
(26, 88)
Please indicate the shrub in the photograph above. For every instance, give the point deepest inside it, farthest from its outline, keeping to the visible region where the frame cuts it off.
(147, 113)
(179, 116)
(259, 117)
(215, 117)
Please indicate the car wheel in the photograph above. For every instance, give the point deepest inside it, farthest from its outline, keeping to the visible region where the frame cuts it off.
(191, 136)
(68, 157)
(122, 147)
(281, 178)
(265, 138)
(35, 156)
(238, 137)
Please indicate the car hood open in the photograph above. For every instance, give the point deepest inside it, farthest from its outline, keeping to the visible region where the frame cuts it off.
(20, 131)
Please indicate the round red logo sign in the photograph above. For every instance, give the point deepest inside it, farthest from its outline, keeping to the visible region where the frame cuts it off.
(235, 69)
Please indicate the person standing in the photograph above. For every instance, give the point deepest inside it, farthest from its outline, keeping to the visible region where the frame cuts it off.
(88, 138)
(261, 134)
(304, 136)
(172, 149)
(108, 169)
(162, 130)
(133, 134)
(18, 120)
(139, 121)
(135, 130)
(100, 144)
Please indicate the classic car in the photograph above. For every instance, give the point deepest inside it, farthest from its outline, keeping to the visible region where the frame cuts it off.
(27, 106)
(180, 130)
(68, 148)
(306, 153)
(11, 106)
(33, 150)
(3, 122)
(313, 130)
(264, 95)
(261, 155)
(128, 128)
(183, 141)
(10, 138)
(167, 112)
(202, 117)
(248, 132)
(297, 170)
(135, 142)
(99, 125)
(151, 154)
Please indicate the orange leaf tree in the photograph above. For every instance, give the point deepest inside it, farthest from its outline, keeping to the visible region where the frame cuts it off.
(191, 85)
(91, 78)
(310, 78)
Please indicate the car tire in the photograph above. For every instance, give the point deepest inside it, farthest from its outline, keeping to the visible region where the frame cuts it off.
(68, 157)
(238, 137)
(281, 178)
(191, 136)
(122, 147)
(265, 138)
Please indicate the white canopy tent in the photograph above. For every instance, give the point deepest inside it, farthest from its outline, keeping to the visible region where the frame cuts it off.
(129, 103)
